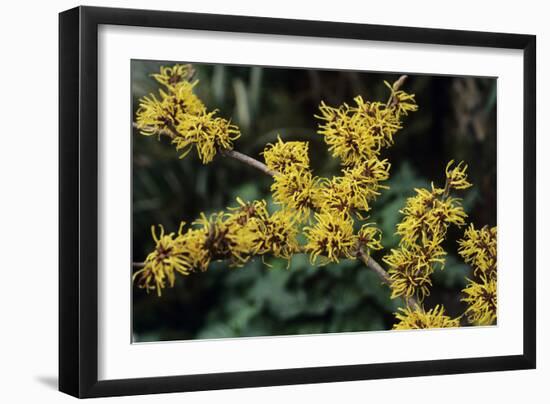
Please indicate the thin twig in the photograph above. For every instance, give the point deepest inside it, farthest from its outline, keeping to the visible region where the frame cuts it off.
(376, 267)
(252, 162)
(395, 87)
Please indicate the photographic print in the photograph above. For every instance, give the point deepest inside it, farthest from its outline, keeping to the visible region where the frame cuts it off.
(271, 201)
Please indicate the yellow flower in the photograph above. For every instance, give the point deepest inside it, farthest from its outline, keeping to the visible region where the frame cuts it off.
(369, 238)
(337, 195)
(156, 117)
(479, 249)
(247, 211)
(331, 238)
(282, 156)
(185, 100)
(163, 263)
(296, 189)
(365, 178)
(349, 135)
(357, 133)
(418, 318)
(481, 298)
(385, 123)
(193, 248)
(410, 271)
(358, 185)
(207, 133)
(276, 234)
(456, 177)
(426, 217)
(226, 239)
(429, 211)
(175, 75)
(161, 116)
(400, 101)
(181, 115)
(370, 173)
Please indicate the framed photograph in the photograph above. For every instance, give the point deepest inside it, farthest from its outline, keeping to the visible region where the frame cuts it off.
(252, 202)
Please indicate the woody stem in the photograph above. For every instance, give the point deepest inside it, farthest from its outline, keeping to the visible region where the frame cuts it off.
(258, 165)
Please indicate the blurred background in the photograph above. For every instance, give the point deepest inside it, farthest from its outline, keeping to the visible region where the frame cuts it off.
(456, 120)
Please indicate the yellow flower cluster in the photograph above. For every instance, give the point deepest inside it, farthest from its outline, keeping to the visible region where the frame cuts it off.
(332, 238)
(172, 77)
(418, 318)
(180, 114)
(479, 250)
(423, 228)
(456, 177)
(481, 297)
(283, 157)
(236, 236)
(159, 115)
(161, 265)
(294, 187)
(400, 102)
(356, 188)
(355, 134)
(358, 133)
(297, 189)
(410, 270)
(276, 235)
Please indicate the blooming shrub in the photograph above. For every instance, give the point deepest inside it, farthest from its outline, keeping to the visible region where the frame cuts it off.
(326, 218)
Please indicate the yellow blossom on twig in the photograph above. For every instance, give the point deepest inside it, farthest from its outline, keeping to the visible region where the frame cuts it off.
(207, 133)
(163, 263)
(179, 114)
(330, 238)
(296, 189)
(172, 76)
(456, 177)
(284, 156)
(481, 297)
(400, 101)
(426, 218)
(418, 318)
(159, 115)
(276, 235)
(357, 133)
(479, 250)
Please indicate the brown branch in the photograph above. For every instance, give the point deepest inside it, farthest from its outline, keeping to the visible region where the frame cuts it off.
(376, 267)
(252, 162)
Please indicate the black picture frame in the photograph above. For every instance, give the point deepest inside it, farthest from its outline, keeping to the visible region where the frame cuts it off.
(78, 201)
